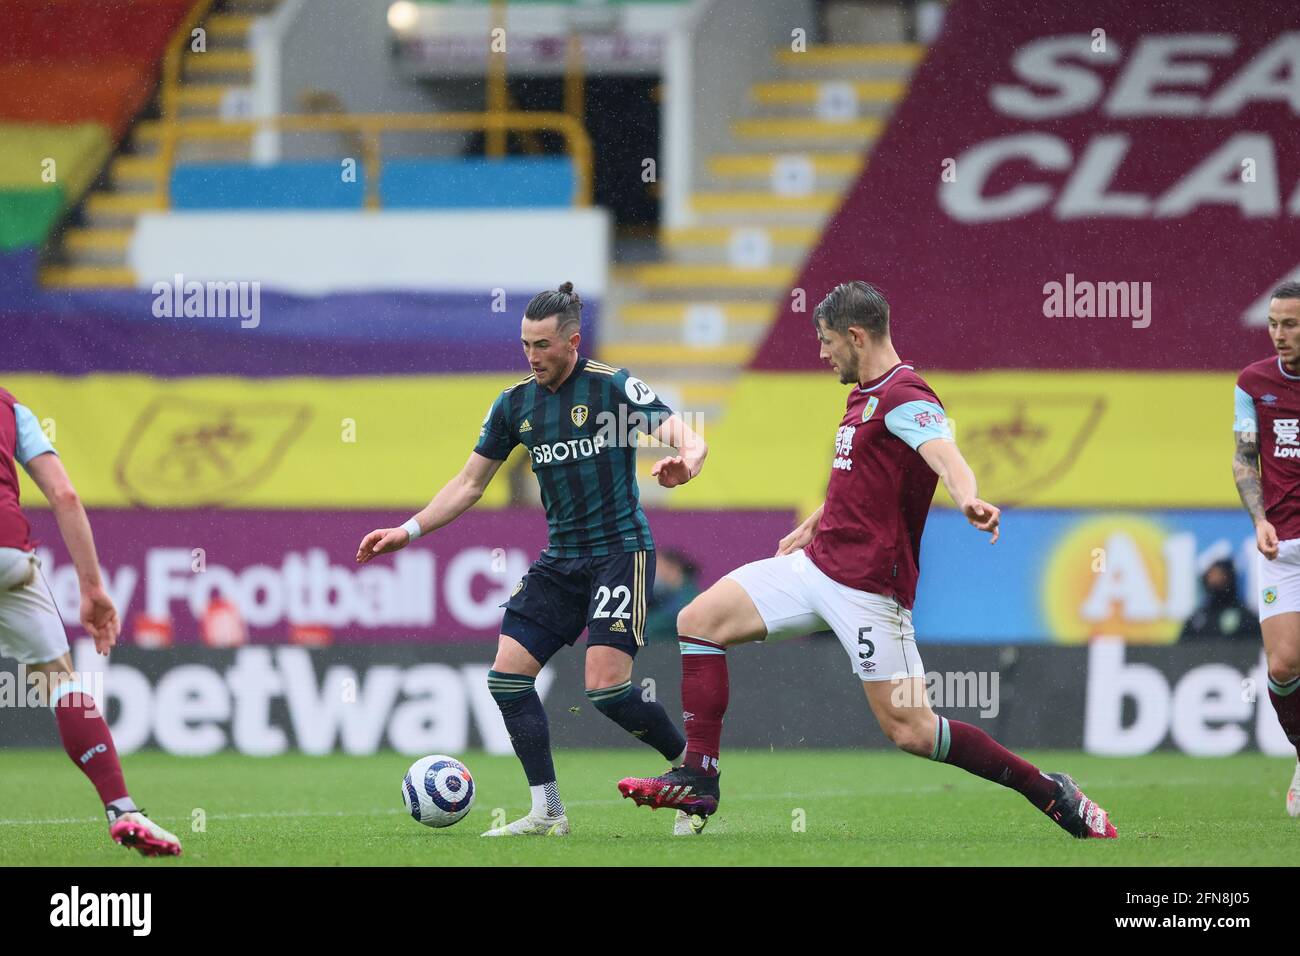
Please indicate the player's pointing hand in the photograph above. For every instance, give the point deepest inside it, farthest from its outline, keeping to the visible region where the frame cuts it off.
(983, 516)
(382, 541)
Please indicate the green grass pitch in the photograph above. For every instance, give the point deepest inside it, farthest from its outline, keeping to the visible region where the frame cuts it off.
(796, 808)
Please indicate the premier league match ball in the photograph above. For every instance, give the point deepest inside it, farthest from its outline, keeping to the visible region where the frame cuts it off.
(438, 790)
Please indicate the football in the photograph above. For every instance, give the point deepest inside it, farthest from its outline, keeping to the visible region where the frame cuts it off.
(438, 790)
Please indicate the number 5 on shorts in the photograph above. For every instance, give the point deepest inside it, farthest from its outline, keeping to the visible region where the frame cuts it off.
(866, 649)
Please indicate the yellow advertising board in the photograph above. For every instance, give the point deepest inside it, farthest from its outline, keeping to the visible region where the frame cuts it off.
(1042, 439)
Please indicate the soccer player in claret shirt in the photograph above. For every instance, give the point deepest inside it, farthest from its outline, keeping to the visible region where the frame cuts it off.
(852, 568)
(31, 630)
(578, 418)
(1266, 467)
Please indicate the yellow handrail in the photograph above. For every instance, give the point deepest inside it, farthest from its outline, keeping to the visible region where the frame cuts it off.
(575, 80)
(171, 71)
(371, 126)
(497, 90)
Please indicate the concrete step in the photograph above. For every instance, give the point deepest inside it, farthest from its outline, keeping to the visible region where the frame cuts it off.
(821, 172)
(804, 134)
(198, 99)
(877, 61)
(146, 144)
(826, 99)
(762, 209)
(133, 173)
(233, 66)
(668, 312)
(671, 280)
(251, 7)
(96, 247)
(105, 210)
(693, 334)
(739, 246)
(229, 28)
(668, 363)
(697, 322)
(145, 136)
(87, 277)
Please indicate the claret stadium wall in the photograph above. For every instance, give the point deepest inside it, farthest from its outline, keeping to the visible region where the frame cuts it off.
(1080, 272)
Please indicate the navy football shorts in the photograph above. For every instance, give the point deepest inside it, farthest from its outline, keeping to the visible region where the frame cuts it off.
(558, 597)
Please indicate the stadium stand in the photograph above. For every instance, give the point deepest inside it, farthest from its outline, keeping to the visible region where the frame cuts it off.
(787, 159)
(70, 97)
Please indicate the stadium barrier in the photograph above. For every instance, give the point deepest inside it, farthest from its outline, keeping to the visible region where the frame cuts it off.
(371, 127)
(515, 182)
(1205, 700)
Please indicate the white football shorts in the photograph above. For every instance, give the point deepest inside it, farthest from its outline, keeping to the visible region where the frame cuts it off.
(794, 597)
(1279, 580)
(31, 631)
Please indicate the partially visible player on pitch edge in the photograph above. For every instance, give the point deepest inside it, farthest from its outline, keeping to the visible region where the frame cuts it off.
(1266, 467)
(578, 418)
(31, 630)
(852, 567)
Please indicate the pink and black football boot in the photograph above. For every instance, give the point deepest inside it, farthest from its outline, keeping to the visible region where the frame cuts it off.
(682, 788)
(135, 830)
(1076, 814)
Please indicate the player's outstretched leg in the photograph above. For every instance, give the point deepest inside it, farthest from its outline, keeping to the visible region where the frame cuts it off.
(903, 710)
(89, 743)
(1282, 650)
(512, 685)
(720, 617)
(609, 688)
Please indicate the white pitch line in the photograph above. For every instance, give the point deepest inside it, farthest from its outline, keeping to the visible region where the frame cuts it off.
(967, 785)
(297, 814)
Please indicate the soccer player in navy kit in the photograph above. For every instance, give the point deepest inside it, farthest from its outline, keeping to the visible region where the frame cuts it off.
(1266, 467)
(578, 418)
(852, 568)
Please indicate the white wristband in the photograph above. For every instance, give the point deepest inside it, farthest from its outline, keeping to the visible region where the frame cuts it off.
(412, 528)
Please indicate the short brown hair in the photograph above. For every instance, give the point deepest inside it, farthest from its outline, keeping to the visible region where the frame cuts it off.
(854, 303)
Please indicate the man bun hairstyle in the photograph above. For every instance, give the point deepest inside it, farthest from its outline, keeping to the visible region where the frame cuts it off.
(1287, 290)
(563, 303)
(854, 303)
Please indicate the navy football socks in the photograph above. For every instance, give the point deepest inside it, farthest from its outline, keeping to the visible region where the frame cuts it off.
(525, 718)
(645, 720)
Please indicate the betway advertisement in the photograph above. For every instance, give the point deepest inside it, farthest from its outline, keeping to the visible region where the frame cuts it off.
(1077, 185)
(234, 577)
(1107, 698)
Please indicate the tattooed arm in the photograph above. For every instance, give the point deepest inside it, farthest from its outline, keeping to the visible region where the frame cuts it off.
(1245, 471)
